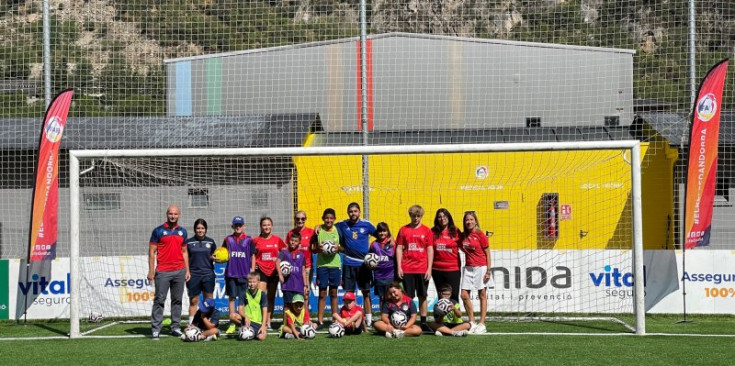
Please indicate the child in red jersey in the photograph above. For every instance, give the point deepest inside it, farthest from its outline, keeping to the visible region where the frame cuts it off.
(350, 315)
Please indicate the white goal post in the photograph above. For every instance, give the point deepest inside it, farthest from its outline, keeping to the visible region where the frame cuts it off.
(628, 146)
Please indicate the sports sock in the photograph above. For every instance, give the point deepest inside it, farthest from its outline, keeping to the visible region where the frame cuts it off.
(423, 319)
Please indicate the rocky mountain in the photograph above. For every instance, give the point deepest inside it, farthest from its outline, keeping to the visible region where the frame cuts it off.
(112, 50)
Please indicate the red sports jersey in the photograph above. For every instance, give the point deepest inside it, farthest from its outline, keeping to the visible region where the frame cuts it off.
(414, 243)
(266, 252)
(347, 313)
(306, 235)
(474, 247)
(168, 242)
(446, 252)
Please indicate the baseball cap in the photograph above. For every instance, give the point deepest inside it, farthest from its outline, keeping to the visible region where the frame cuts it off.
(238, 220)
(298, 298)
(206, 306)
(349, 296)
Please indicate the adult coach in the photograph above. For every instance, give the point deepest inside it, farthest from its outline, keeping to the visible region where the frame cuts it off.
(168, 268)
(355, 239)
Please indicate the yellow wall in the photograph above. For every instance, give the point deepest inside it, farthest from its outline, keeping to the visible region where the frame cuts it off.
(595, 183)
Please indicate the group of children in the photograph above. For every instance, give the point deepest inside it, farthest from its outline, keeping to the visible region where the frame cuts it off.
(254, 270)
(351, 316)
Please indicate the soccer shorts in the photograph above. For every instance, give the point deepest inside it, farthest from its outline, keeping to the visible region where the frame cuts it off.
(381, 288)
(236, 288)
(288, 296)
(356, 276)
(256, 327)
(273, 278)
(414, 285)
(328, 277)
(472, 278)
(199, 284)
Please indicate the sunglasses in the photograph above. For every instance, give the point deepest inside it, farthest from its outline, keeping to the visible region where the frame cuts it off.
(300, 218)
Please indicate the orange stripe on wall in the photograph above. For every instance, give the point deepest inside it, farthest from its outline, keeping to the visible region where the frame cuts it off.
(369, 77)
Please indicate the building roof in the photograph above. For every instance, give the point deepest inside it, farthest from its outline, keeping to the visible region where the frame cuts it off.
(274, 130)
(469, 136)
(675, 126)
(407, 35)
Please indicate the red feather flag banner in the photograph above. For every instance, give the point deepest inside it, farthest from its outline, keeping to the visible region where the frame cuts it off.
(45, 204)
(702, 163)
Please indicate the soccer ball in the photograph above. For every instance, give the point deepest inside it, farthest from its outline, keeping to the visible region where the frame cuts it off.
(246, 333)
(328, 247)
(192, 334)
(445, 305)
(336, 330)
(307, 331)
(286, 268)
(221, 254)
(398, 319)
(95, 317)
(371, 260)
(438, 312)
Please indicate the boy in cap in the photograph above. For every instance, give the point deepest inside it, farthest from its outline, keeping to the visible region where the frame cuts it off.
(350, 315)
(207, 320)
(241, 251)
(295, 317)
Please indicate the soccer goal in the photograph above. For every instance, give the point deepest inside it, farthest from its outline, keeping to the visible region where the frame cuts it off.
(564, 220)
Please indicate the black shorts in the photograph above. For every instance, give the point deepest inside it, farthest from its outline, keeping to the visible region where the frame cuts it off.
(288, 296)
(381, 288)
(198, 284)
(452, 278)
(273, 278)
(356, 276)
(235, 288)
(414, 285)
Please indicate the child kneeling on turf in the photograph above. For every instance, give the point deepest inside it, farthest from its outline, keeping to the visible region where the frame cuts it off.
(396, 301)
(256, 306)
(448, 322)
(350, 315)
(295, 317)
(207, 320)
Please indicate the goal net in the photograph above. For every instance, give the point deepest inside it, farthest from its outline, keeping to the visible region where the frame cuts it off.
(562, 218)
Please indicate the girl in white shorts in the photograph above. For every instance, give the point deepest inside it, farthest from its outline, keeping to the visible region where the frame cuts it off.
(475, 274)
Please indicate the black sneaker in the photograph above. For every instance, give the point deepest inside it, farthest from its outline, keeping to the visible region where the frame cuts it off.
(154, 336)
(176, 332)
(319, 325)
(425, 328)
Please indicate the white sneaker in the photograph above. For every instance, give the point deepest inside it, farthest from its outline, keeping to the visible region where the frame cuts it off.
(288, 336)
(480, 329)
(388, 335)
(459, 333)
(438, 334)
(398, 333)
(155, 336)
(473, 327)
